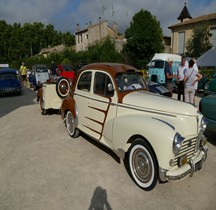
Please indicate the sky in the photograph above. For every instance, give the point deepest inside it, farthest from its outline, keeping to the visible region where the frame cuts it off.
(65, 14)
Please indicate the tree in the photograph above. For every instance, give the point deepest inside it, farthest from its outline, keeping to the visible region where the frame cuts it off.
(144, 38)
(20, 42)
(199, 42)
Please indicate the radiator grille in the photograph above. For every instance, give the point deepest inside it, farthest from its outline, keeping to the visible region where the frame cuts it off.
(189, 148)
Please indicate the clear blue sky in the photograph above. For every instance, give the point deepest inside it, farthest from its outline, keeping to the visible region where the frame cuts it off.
(65, 14)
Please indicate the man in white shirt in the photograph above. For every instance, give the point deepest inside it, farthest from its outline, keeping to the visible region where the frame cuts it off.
(180, 74)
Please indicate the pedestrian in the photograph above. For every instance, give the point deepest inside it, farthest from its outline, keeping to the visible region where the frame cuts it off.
(180, 74)
(169, 76)
(190, 78)
(27, 78)
(23, 72)
(197, 70)
(53, 68)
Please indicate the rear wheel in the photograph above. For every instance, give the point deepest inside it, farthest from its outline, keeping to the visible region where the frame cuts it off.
(43, 111)
(71, 126)
(143, 165)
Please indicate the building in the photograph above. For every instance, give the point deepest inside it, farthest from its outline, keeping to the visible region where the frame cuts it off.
(94, 33)
(182, 30)
(46, 51)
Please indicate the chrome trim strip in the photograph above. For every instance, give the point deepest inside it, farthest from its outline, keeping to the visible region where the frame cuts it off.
(127, 106)
(165, 123)
(144, 110)
(105, 102)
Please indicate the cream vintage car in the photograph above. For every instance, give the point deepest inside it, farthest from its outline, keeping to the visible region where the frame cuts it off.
(160, 138)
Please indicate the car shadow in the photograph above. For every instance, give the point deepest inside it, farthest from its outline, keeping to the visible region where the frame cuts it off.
(101, 147)
(211, 136)
(11, 102)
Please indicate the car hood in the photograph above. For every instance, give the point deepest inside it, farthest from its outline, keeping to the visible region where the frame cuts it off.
(160, 104)
(9, 83)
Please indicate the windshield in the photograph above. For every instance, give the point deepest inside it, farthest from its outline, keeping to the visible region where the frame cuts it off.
(67, 67)
(157, 64)
(8, 76)
(41, 69)
(130, 81)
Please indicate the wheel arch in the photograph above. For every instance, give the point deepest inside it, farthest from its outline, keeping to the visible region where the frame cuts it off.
(134, 138)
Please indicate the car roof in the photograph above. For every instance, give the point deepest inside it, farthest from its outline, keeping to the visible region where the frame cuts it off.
(111, 68)
(8, 70)
(39, 66)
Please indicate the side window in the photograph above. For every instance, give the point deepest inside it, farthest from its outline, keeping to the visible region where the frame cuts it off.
(84, 83)
(103, 85)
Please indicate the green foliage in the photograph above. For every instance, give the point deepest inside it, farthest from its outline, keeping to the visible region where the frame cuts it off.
(199, 43)
(100, 52)
(144, 38)
(18, 42)
(66, 61)
(103, 52)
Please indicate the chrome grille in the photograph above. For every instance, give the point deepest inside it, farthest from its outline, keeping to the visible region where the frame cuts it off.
(189, 148)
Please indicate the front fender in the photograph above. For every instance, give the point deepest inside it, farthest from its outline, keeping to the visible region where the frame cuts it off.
(159, 134)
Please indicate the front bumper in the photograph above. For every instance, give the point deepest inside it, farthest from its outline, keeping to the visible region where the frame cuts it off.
(187, 170)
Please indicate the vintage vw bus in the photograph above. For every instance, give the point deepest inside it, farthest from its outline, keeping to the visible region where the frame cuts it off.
(157, 66)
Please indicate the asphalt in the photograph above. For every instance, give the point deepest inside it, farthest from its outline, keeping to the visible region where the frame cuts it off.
(42, 168)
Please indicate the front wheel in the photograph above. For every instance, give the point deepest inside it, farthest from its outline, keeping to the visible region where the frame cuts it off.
(70, 125)
(143, 165)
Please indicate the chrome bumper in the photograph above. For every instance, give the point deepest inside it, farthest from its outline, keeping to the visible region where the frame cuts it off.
(187, 170)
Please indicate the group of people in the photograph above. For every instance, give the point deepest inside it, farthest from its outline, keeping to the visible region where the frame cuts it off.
(187, 78)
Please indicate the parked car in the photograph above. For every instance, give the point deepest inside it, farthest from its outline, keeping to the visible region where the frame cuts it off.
(158, 88)
(207, 107)
(210, 86)
(65, 70)
(9, 82)
(160, 138)
(202, 83)
(51, 94)
(38, 76)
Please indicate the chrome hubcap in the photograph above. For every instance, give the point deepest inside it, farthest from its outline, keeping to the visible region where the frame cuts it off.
(142, 165)
(70, 123)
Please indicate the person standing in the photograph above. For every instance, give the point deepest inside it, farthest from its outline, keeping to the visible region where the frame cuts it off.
(53, 68)
(180, 74)
(23, 72)
(169, 76)
(195, 67)
(190, 78)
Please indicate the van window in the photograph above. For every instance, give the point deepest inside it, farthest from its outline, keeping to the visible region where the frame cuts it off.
(157, 64)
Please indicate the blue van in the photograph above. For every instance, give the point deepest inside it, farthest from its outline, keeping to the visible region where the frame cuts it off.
(157, 66)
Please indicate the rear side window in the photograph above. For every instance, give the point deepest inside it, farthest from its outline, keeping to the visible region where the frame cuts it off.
(84, 83)
(102, 83)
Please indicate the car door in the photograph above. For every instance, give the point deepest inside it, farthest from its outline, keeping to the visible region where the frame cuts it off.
(82, 98)
(102, 107)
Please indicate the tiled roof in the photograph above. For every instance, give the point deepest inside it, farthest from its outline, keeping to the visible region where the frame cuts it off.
(195, 20)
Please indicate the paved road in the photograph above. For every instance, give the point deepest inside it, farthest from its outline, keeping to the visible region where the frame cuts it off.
(42, 168)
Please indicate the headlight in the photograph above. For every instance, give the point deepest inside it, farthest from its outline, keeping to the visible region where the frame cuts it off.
(177, 141)
(203, 124)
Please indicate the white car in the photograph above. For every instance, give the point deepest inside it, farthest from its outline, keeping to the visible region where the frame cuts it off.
(160, 138)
